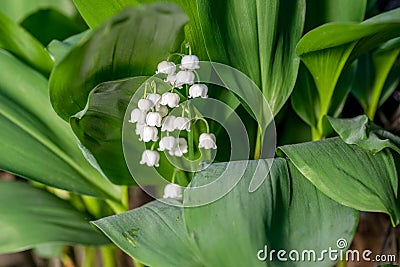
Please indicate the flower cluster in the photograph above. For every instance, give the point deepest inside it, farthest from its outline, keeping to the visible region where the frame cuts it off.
(152, 115)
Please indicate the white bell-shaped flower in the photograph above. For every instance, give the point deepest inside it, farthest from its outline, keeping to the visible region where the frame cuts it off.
(153, 119)
(207, 141)
(184, 77)
(198, 90)
(167, 143)
(166, 67)
(145, 105)
(182, 123)
(150, 158)
(171, 79)
(190, 62)
(170, 99)
(150, 133)
(138, 116)
(139, 130)
(155, 99)
(163, 110)
(168, 124)
(180, 148)
(172, 191)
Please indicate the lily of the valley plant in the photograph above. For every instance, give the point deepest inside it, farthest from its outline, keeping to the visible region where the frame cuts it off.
(99, 99)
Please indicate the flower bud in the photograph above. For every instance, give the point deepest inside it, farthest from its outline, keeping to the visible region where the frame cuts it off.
(139, 130)
(163, 110)
(170, 99)
(150, 133)
(167, 143)
(155, 99)
(207, 141)
(190, 62)
(182, 123)
(145, 105)
(180, 148)
(171, 79)
(198, 90)
(137, 116)
(184, 77)
(166, 67)
(150, 158)
(172, 191)
(168, 124)
(153, 119)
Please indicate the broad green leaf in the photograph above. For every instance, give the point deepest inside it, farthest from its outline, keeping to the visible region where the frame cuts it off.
(327, 50)
(31, 216)
(95, 12)
(154, 234)
(35, 143)
(47, 25)
(59, 49)
(286, 212)
(18, 41)
(305, 98)
(257, 38)
(349, 174)
(372, 74)
(360, 131)
(324, 11)
(118, 49)
(18, 10)
(99, 127)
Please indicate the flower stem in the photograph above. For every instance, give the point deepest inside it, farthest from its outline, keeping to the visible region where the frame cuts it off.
(205, 122)
(174, 54)
(258, 147)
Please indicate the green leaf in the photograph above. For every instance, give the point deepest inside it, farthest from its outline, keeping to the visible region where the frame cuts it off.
(59, 49)
(18, 10)
(31, 216)
(286, 212)
(125, 52)
(349, 174)
(305, 97)
(257, 38)
(324, 11)
(99, 127)
(36, 144)
(372, 74)
(18, 41)
(47, 25)
(154, 234)
(327, 50)
(360, 131)
(95, 12)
